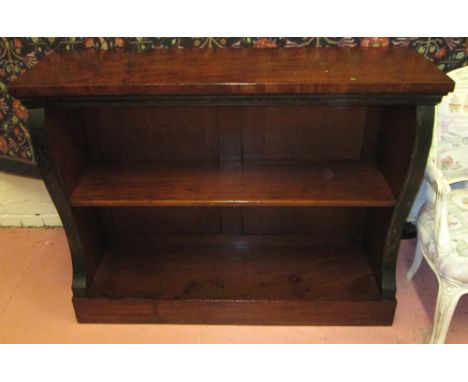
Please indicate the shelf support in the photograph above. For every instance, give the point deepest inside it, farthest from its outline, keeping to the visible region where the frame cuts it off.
(40, 141)
(412, 182)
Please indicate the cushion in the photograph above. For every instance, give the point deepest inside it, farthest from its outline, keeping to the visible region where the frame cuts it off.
(455, 264)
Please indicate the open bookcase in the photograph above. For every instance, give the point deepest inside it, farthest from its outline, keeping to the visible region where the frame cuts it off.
(233, 186)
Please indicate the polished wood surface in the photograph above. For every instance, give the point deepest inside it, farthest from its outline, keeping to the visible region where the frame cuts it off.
(228, 221)
(144, 310)
(233, 184)
(177, 134)
(232, 71)
(234, 272)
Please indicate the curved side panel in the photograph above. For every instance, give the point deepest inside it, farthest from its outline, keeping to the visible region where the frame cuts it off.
(409, 190)
(41, 148)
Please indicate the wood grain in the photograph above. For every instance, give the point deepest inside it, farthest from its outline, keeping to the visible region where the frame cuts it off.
(178, 134)
(103, 310)
(166, 220)
(232, 71)
(303, 133)
(233, 184)
(151, 135)
(291, 272)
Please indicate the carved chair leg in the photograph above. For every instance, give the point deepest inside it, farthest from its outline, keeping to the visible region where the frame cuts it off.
(447, 299)
(417, 260)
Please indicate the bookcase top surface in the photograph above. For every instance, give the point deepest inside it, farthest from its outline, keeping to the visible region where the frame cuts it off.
(324, 71)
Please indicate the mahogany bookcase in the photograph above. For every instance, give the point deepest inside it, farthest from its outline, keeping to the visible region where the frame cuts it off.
(233, 186)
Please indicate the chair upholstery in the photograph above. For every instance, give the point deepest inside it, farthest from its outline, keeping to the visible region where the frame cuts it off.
(455, 263)
(443, 219)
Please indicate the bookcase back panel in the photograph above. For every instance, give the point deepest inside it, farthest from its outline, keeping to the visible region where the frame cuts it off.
(302, 133)
(346, 223)
(319, 221)
(167, 220)
(231, 133)
(151, 135)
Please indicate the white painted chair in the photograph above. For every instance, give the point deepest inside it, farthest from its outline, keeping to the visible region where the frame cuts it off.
(443, 220)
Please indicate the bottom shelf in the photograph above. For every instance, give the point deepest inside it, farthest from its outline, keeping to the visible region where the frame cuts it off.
(290, 284)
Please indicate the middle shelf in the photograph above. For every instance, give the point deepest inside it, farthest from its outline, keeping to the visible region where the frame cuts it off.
(233, 184)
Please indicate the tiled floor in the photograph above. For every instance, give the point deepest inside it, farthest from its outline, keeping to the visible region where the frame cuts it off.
(35, 306)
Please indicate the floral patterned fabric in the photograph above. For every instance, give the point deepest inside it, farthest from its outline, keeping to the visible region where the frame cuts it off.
(19, 54)
(453, 265)
(451, 136)
(449, 152)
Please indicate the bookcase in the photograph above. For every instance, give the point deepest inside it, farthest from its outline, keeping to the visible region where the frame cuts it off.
(233, 186)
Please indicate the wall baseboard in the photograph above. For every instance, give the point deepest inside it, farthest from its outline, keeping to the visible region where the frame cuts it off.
(18, 167)
(25, 202)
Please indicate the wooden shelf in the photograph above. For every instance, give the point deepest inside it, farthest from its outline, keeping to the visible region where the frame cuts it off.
(232, 71)
(233, 184)
(269, 284)
(134, 269)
